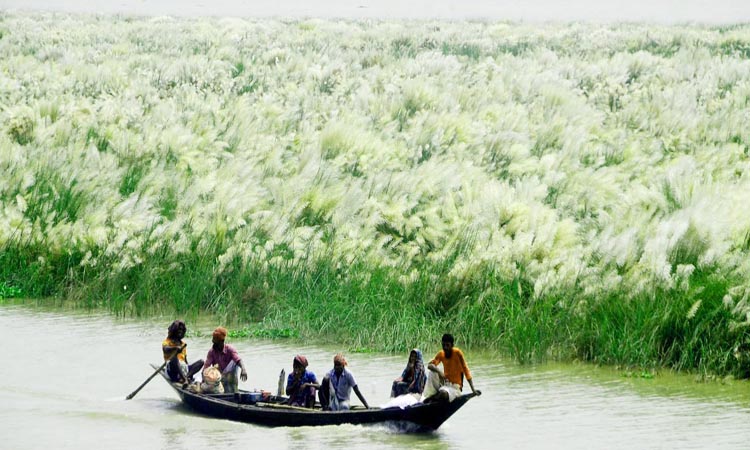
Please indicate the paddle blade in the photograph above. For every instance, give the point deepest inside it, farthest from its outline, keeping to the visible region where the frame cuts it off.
(282, 387)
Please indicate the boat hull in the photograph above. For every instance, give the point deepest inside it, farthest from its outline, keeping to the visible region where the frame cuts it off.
(419, 417)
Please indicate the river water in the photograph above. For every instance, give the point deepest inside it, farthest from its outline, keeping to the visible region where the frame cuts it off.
(65, 376)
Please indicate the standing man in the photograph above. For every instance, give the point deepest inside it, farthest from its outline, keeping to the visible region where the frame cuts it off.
(175, 352)
(228, 360)
(447, 384)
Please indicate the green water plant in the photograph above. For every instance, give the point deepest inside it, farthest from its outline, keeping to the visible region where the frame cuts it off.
(9, 291)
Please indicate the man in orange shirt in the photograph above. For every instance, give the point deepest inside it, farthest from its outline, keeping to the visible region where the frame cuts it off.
(447, 384)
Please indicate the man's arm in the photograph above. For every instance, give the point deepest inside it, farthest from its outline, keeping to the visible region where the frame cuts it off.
(312, 382)
(360, 396)
(437, 370)
(467, 374)
(238, 360)
(243, 371)
(291, 385)
(464, 366)
(432, 365)
(471, 385)
(169, 349)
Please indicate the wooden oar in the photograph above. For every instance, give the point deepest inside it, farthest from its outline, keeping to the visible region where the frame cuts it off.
(132, 394)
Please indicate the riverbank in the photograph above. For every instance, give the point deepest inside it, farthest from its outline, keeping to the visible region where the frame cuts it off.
(368, 308)
(557, 191)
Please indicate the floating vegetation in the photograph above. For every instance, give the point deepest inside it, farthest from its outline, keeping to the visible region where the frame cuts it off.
(268, 333)
(9, 291)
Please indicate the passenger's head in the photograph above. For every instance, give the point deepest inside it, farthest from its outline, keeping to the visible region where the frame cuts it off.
(218, 337)
(418, 358)
(448, 344)
(413, 356)
(339, 362)
(176, 330)
(299, 364)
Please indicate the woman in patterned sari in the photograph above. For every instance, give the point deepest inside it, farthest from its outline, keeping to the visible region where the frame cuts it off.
(413, 377)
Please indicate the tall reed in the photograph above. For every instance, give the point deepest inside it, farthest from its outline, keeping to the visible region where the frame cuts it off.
(549, 191)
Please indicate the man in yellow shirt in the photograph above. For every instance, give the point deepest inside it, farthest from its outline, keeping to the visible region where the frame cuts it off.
(446, 384)
(175, 351)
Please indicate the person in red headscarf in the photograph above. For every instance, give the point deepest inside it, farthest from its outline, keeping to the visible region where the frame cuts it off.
(301, 384)
(228, 360)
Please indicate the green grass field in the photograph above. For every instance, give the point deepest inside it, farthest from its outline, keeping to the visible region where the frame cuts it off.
(558, 191)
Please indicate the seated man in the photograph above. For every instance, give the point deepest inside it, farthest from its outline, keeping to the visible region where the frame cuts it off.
(301, 384)
(337, 386)
(175, 351)
(227, 359)
(447, 386)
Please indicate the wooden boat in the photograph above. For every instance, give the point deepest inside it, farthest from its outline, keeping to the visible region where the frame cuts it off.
(270, 410)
